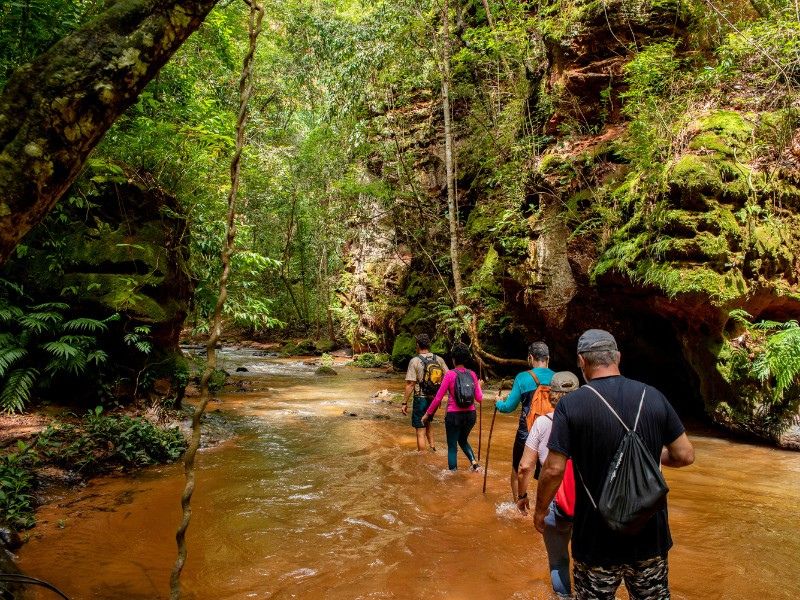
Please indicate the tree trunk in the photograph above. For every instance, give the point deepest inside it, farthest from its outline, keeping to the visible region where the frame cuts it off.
(448, 154)
(54, 111)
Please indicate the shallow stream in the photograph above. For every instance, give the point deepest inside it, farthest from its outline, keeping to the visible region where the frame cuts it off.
(308, 501)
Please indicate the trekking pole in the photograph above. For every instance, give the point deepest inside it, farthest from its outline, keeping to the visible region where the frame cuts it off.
(488, 447)
(491, 429)
(480, 410)
(480, 428)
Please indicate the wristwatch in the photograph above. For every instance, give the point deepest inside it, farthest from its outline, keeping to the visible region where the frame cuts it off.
(523, 496)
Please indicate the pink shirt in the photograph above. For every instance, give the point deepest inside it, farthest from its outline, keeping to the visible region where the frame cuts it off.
(448, 384)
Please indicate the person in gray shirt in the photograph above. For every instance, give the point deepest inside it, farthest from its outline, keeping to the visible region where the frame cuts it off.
(425, 373)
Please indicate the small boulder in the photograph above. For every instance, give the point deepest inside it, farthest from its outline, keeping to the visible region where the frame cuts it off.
(325, 371)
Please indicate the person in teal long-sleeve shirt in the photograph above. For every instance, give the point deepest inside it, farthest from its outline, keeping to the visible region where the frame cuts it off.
(521, 394)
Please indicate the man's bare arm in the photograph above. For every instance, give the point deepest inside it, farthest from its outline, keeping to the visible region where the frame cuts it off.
(679, 453)
(407, 395)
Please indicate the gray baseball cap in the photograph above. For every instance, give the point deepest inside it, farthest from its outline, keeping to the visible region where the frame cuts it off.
(564, 381)
(596, 340)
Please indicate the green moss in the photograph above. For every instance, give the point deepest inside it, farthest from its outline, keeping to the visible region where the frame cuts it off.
(485, 278)
(553, 163)
(714, 247)
(416, 316)
(691, 173)
(404, 348)
(722, 219)
(420, 286)
(124, 293)
(675, 279)
(323, 346)
(730, 125)
(106, 245)
(708, 140)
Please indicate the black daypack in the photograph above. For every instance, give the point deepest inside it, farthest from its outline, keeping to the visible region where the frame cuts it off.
(432, 375)
(634, 488)
(464, 389)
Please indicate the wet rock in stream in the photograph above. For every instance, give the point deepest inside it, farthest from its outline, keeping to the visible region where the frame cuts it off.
(326, 371)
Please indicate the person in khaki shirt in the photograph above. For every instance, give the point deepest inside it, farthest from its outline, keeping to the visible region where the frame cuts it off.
(425, 373)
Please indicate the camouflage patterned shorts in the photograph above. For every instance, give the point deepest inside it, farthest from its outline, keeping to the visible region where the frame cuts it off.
(645, 580)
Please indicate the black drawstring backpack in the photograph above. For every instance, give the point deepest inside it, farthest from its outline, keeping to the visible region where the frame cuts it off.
(634, 488)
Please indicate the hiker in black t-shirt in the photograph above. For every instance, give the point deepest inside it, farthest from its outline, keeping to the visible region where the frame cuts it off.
(585, 430)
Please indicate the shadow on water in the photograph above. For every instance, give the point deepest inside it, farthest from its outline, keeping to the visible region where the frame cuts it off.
(310, 502)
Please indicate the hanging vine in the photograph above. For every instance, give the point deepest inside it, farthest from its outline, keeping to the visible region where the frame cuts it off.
(245, 90)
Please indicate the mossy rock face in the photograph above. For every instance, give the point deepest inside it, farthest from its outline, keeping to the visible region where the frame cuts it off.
(486, 277)
(714, 231)
(420, 286)
(417, 316)
(690, 238)
(403, 350)
(116, 247)
(126, 253)
(306, 347)
(323, 346)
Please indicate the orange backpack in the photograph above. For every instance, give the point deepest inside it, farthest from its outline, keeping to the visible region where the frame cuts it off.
(540, 402)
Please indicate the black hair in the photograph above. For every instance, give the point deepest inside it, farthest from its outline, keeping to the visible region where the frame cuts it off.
(539, 351)
(460, 353)
(423, 341)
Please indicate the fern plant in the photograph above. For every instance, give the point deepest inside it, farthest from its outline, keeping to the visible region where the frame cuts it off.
(40, 345)
(779, 361)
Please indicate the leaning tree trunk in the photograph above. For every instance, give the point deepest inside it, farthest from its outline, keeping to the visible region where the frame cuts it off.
(54, 111)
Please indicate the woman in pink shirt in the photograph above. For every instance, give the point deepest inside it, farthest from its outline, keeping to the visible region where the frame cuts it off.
(463, 390)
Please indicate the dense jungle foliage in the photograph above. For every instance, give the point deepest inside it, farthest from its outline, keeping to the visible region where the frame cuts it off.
(650, 146)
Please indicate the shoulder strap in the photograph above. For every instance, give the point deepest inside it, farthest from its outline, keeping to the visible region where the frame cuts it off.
(535, 378)
(638, 412)
(588, 493)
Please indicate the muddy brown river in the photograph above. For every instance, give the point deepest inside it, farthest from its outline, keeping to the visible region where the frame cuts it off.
(309, 502)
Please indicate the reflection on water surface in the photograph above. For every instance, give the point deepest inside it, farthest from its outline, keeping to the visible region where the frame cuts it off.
(308, 502)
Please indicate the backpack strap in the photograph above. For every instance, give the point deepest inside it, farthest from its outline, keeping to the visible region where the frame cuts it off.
(583, 483)
(638, 412)
(535, 378)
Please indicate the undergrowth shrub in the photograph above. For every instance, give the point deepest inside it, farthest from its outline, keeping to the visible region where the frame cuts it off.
(41, 346)
(369, 360)
(101, 440)
(16, 487)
